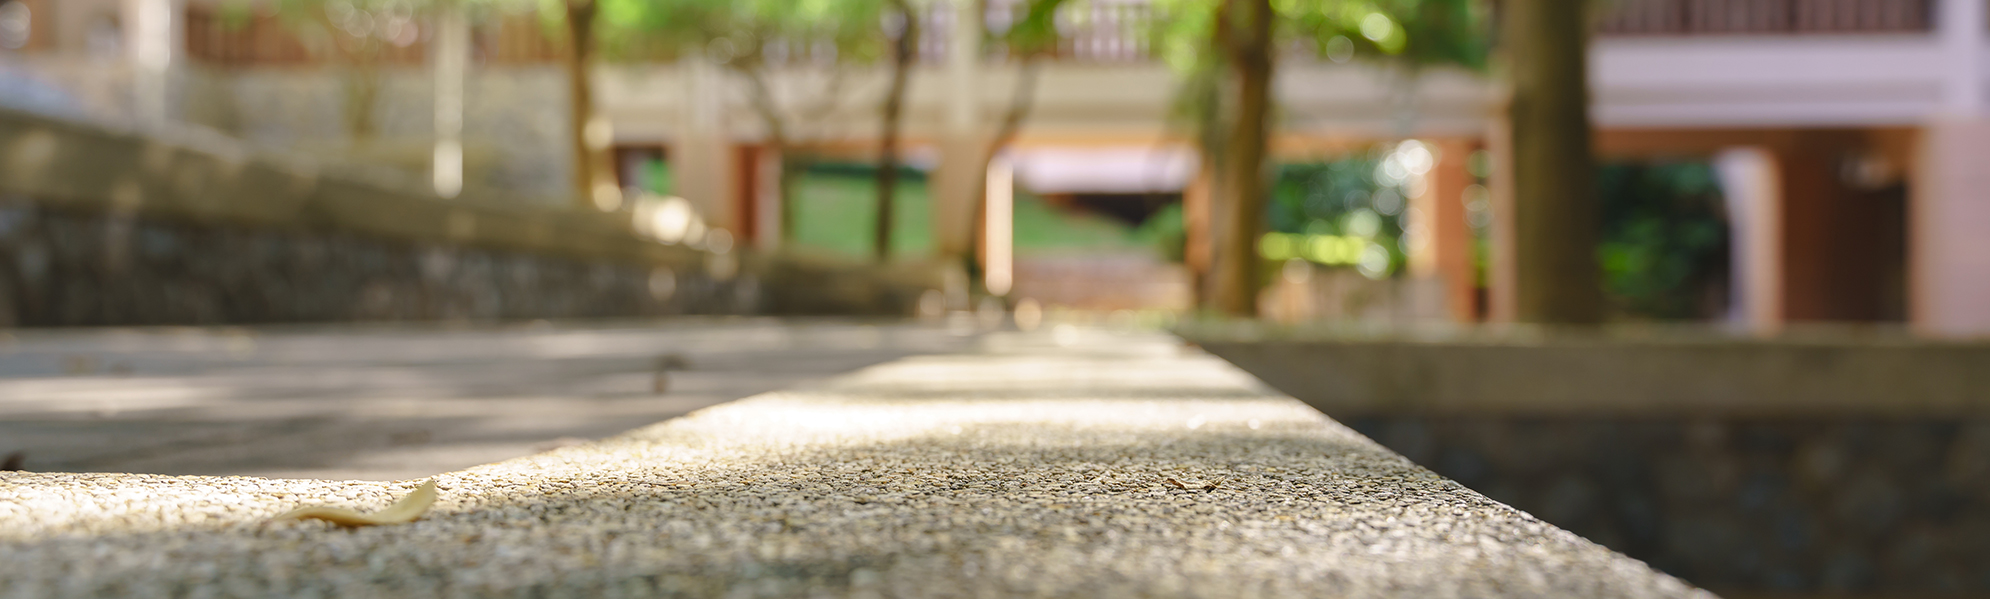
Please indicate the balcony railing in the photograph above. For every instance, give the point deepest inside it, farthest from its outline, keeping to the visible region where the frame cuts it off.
(254, 40)
(1109, 31)
(1103, 31)
(263, 40)
(1715, 17)
(1106, 31)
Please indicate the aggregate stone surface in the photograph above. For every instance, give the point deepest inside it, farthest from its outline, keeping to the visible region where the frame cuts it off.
(393, 402)
(1079, 464)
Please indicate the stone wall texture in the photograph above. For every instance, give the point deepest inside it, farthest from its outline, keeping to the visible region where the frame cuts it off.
(109, 225)
(64, 268)
(1752, 507)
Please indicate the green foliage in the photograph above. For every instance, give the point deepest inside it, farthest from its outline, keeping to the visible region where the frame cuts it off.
(1341, 197)
(1035, 32)
(836, 206)
(761, 31)
(1166, 231)
(836, 209)
(1665, 240)
(1042, 228)
(1409, 33)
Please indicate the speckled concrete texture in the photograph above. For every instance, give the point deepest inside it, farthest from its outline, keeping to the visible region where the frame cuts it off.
(1075, 464)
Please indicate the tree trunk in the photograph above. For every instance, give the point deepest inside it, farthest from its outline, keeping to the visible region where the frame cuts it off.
(588, 165)
(361, 84)
(1240, 185)
(1554, 213)
(902, 54)
(358, 61)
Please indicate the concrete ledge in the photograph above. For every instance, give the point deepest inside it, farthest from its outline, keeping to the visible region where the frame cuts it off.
(1349, 372)
(1092, 465)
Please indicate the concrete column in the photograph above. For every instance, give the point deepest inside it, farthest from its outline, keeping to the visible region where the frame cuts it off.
(451, 62)
(155, 39)
(1443, 243)
(1949, 246)
(1502, 278)
(1960, 25)
(1196, 227)
(766, 213)
(999, 242)
(1948, 251)
(959, 182)
(702, 154)
(1751, 182)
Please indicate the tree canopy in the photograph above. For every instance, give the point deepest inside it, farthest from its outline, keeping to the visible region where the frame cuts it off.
(1412, 33)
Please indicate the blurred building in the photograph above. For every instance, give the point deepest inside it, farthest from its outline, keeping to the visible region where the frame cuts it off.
(1846, 133)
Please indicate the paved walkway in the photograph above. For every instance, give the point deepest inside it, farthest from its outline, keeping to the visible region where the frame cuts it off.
(382, 403)
(1076, 464)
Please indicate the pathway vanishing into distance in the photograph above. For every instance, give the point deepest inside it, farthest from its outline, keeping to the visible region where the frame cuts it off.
(393, 402)
(1079, 463)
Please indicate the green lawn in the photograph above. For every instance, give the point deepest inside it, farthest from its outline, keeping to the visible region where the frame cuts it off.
(836, 212)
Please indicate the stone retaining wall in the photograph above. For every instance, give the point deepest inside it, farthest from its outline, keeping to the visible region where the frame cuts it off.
(62, 268)
(101, 226)
(1787, 507)
(1824, 463)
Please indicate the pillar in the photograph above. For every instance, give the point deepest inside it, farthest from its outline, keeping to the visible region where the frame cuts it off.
(1949, 230)
(761, 217)
(702, 154)
(998, 236)
(1501, 275)
(1949, 245)
(1196, 228)
(450, 62)
(1959, 24)
(1443, 242)
(1751, 184)
(155, 39)
(959, 183)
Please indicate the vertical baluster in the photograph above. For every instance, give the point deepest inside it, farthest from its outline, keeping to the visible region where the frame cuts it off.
(1102, 30)
(1145, 24)
(1094, 41)
(1117, 29)
(1091, 28)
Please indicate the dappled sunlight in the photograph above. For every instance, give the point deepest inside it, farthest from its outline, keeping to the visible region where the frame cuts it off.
(994, 298)
(395, 402)
(871, 485)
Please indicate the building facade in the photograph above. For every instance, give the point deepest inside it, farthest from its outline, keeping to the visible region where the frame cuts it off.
(1848, 135)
